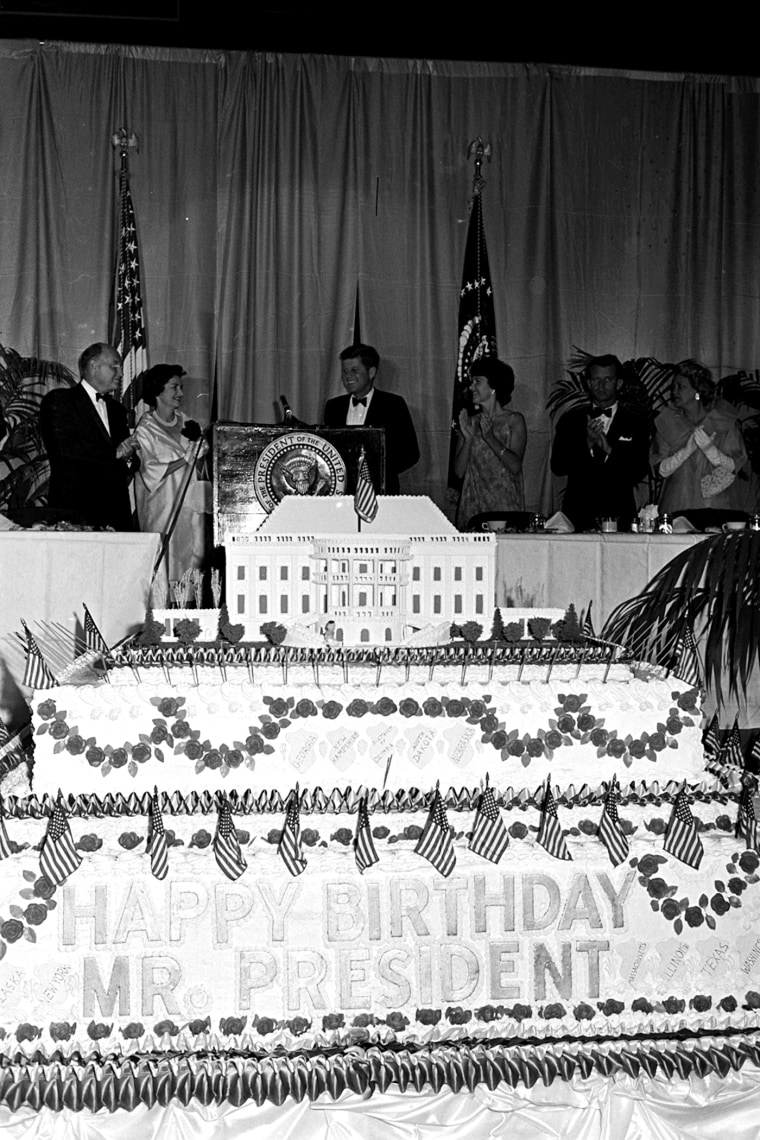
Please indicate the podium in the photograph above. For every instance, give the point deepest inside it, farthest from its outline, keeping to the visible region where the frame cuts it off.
(237, 449)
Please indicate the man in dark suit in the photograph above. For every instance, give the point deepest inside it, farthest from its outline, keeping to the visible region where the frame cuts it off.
(603, 449)
(86, 436)
(367, 406)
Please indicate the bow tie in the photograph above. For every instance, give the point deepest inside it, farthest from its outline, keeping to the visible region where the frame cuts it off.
(358, 400)
(100, 396)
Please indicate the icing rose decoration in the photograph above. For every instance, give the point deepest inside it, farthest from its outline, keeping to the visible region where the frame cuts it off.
(134, 1031)
(305, 708)
(749, 862)
(458, 1016)
(59, 729)
(264, 1026)
(167, 1026)
(233, 1026)
(95, 756)
(397, 1022)
(333, 1021)
(89, 842)
(27, 1032)
(11, 930)
(694, 916)
(385, 706)
(98, 1030)
(198, 1026)
(357, 707)
(46, 710)
(432, 707)
(331, 710)
(298, 1025)
(62, 1030)
(76, 745)
(180, 728)
(521, 1012)
(728, 1004)
(118, 757)
(409, 707)
(43, 888)
(129, 840)
(428, 1016)
(583, 1012)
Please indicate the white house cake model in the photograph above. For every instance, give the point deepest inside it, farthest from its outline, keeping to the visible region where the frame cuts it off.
(409, 568)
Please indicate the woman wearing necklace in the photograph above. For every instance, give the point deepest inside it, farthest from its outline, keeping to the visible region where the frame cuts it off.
(167, 479)
(698, 448)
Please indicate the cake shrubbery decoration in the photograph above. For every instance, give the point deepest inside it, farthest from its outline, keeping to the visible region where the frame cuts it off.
(274, 632)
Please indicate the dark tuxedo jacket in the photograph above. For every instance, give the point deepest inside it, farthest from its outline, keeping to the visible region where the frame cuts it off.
(85, 475)
(599, 486)
(386, 410)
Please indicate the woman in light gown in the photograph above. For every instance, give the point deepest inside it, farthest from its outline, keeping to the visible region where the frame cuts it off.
(170, 448)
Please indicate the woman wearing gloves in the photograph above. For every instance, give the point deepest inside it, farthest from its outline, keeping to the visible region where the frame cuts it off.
(698, 447)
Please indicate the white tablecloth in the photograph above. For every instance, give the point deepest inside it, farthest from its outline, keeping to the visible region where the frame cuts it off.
(45, 576)
(557, 569)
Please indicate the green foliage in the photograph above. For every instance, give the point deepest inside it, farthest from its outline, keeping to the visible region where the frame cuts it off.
(187, 631)
(151, 632)
(274, 632)
(568, 629)
(514, 631)
(497, 626)
(539, 627)
(226, 631)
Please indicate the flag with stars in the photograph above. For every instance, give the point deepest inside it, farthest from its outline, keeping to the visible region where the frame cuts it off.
(290, 841)
(92, 636)
(550, 835)
(5, 845)
(436, 844)
(711, 739)
(477, 322)
(682, 839)
(489, 837)
(364, 845)
(227, 845)
(746, 825)
(687, 666)
(130, 328)
(587, 626)
(59, 857)
(610, 831)
(732, 752)
(157, 846)
(37, 674)
(365, 499)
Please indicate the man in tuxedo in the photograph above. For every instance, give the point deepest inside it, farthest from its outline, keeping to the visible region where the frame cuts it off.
(603, 449)
(364, 405)
(86, 436)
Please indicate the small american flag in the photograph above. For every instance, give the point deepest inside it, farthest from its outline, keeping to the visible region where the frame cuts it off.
(436, 844)
(711, 739)
(732, 752)
(157, 847)
(59, 857)
(489, 835)
(746, 825)
(37, 675)
(681, 839)
(290, 840)
(610, 832)
(227, 845)
(687, 667)
(365, 500)
(130, 329)
(587, 626)
(364, 846)
(93, 638)
(550, 835)
(5, 845)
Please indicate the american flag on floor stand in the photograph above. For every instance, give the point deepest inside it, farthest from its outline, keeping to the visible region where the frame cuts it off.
(587, 626)
(157, 846)
(59, 857)
(681, 839)
(93, 638)
(436, 844)
(687, 665)
(364, 846)
(130, 328)
(489, 837)
(610, 831)
(290, 841)
(37, 674)
(227, 851)
(365, 499)
(550, 835)
(746, 824)
(476, 322)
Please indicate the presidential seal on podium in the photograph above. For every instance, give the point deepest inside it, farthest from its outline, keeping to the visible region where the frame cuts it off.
(298, 463)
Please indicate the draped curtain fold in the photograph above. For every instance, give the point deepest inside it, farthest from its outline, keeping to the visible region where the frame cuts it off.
(620, 210)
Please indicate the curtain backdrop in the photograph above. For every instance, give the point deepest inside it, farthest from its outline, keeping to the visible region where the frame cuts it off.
(621, 215)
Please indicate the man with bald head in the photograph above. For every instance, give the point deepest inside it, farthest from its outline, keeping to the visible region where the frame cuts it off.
(86, 436)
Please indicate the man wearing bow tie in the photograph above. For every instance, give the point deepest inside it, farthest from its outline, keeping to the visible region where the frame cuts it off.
(367, 406)
(603, 449)
(86, 436)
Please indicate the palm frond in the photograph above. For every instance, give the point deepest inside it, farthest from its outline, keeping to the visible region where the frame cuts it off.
(713, 588)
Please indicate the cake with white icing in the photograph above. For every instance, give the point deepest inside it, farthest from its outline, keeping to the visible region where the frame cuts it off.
(301, 977)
